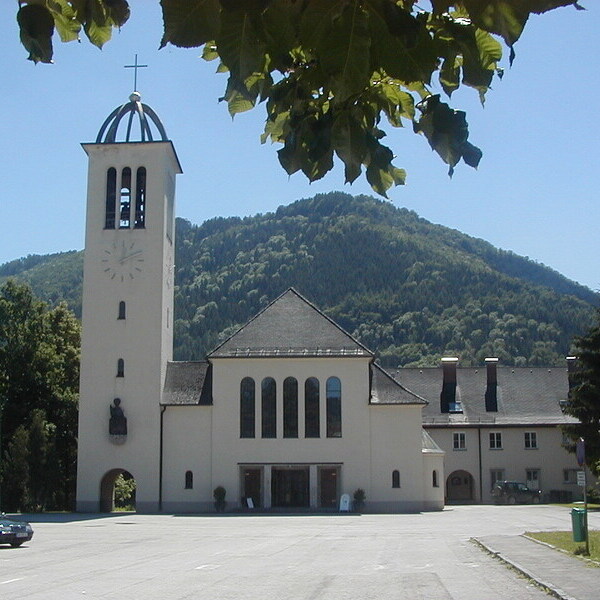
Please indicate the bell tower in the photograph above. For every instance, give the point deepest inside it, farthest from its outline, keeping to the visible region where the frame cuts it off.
(127, 311)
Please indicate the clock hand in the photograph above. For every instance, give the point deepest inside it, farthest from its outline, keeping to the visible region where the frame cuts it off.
(129, 256)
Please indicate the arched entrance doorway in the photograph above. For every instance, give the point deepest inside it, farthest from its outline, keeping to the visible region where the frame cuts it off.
(459, 487)
(117, 491)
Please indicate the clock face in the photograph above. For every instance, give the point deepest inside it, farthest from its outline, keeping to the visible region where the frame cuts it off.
(122, 261)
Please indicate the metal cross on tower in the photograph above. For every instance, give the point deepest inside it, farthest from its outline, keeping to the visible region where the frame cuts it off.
(136, 67)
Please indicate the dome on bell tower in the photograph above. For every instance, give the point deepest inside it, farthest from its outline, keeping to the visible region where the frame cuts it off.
(132, 122)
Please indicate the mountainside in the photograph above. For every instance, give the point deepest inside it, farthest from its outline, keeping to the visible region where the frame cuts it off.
(410, 290)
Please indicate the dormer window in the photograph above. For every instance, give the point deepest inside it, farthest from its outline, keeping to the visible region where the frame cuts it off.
(455, 407)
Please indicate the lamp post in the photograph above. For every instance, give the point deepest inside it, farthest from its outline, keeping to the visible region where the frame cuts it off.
(580, 453)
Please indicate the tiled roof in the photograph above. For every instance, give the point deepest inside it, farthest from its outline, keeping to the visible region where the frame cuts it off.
(188, 383)
(386, 390)
(290, 327)
(527, 396)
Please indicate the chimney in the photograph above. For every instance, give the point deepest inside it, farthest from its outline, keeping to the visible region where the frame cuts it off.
(448, 395)
(491, 390)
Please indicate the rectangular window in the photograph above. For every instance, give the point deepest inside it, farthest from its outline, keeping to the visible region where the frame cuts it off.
(495, 476)
(530, 440)
(495, 440)
(459, 441)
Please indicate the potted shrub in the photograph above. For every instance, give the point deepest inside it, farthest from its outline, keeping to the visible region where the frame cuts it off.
(359, 500)
(219, 496)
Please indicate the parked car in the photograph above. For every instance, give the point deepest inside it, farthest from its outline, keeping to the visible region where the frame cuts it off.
(14, 532)
(511, 492)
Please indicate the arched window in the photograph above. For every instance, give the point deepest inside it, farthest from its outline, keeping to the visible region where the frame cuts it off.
(334, 407)
(140, 199)
(125, 199)
(247, 408)
(111, 197)
(290, 408)
(311, 408)
(189, 480)
(121, 310)
(269, 407)
(120, 368)
(434, 477)
(396, 479)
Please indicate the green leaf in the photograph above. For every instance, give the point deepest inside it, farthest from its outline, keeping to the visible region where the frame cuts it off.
(344, 53)
(119, 11)
(65, 20)
(238, 45)
(391, 55)
(317, 20)
(36, 28)
(190, 23)
(348, 139)
(446, 131)
(280, 24)
(450, 73)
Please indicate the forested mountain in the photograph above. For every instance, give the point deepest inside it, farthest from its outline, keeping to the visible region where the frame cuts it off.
(410, 290)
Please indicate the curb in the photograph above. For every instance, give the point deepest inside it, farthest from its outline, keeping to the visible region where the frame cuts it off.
(551, 589)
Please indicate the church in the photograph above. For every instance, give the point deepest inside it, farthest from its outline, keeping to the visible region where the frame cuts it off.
(290, 413)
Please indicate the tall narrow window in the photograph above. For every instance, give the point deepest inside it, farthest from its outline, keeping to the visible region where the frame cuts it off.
(269, 408)
(189, 480)
(334, 407)
(111, 198)
(434, 479)
(247, 408)
(311, 408)
(140, 199)
(395, 479)
(120, 368)
(121, 310)
(290, 408)
(125, 199)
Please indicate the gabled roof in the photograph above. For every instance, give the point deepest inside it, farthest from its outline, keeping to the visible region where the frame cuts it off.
(428, 444)
(290, 327)
(526, 396)
(188, 384)
(386, 390)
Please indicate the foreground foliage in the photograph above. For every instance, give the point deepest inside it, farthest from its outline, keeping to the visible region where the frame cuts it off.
(584, 399)
(39, 382)
(328, 71)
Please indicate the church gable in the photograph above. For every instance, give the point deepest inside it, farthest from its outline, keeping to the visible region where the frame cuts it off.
(290, 327)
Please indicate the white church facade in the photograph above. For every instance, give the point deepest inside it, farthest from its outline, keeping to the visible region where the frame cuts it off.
(290, 413)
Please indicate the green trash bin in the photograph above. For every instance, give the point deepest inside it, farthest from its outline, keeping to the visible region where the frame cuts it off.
(578, 522)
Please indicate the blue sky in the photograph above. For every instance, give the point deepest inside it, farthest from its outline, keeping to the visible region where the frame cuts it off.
(535, 192)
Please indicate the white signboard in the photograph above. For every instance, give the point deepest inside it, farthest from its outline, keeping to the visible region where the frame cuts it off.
(581, 478)
(345, 503)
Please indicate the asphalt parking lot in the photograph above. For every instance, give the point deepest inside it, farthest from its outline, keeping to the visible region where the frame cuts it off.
(419, 556)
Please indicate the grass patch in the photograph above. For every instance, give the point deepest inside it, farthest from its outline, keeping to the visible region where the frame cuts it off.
(591, 506)
(564, 541)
